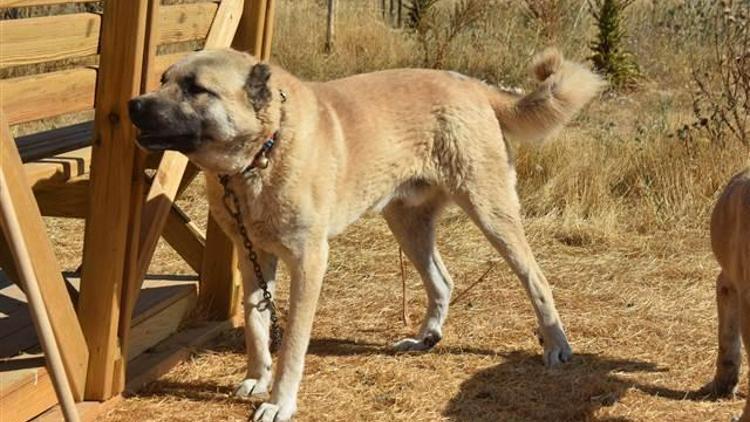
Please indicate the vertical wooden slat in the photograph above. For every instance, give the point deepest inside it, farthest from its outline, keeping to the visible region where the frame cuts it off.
(64, 321)
(133, 273)
(106, 251)
(250, 33)
(219, 278)
(265, 53)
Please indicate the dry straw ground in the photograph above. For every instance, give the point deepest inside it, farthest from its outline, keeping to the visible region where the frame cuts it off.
(616, 210)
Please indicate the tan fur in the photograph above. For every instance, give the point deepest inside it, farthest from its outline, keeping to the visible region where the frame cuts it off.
(401, 142)
(730, 240)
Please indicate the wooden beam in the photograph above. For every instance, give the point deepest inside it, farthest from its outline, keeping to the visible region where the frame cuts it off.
(24, 3)
(268, 30)
(69, 336)
(108, 254)
(249, 35)
(185, 238)
(220, 278)
(224, 25)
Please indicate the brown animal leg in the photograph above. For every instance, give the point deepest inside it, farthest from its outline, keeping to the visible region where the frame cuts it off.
(729, 358)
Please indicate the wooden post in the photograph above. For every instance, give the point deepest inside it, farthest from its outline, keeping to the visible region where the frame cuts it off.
(331, 25)
(220, 278)
(250, 35)
(71, 342)
(109, 254)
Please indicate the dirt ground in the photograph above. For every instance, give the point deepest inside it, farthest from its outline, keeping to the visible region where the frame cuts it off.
(639, 311)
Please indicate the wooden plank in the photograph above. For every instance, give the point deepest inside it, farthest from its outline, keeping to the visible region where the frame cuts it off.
(38, 40)
(65, 325)
(150, 366)
(47, 95)
(185, 238)
(42, 145)
(106, 253)
(88, 411)
(24, 3)
(185, 22)
(33, 395)
(67, 200)
(58, 169)
(162, 324)
(220, 278)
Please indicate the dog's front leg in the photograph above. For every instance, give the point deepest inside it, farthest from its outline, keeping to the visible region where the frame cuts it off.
(257, 320)
(307, 270)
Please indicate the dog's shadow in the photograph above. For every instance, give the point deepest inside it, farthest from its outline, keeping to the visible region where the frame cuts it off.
(522, 389)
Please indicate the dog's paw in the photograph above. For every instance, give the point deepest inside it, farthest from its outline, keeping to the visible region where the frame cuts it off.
(269, 412)
(250, 387)
(556, 347)
(415, 345)
(718, 389)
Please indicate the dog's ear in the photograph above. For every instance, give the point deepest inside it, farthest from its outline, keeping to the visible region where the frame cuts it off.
(256, 86)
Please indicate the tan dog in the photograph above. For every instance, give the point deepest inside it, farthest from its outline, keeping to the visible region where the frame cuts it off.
(730, 240)
(400, 142)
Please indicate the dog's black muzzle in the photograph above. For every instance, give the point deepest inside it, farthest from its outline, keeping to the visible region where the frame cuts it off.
(163, 126)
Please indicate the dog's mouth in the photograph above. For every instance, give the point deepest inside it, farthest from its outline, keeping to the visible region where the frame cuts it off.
(155, 141)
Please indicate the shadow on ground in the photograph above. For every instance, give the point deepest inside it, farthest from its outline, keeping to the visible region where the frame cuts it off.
(521, 389)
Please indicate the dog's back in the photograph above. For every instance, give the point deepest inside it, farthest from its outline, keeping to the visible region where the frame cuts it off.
(730, 230)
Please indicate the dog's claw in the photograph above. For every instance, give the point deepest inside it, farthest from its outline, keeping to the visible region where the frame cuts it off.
(269, 412)
(556, 347)
(415, 345)
(250, 387)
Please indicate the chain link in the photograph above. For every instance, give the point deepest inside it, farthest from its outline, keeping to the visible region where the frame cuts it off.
(232, 205)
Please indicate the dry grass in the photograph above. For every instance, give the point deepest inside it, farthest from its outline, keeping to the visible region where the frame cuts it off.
(616, 210)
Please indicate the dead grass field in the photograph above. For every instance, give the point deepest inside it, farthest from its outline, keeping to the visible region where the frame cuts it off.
(616, 212)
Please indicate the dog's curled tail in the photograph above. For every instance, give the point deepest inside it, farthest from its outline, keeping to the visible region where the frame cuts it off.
(564, 88)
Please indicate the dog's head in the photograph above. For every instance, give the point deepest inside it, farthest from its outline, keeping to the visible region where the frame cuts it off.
(215, 106)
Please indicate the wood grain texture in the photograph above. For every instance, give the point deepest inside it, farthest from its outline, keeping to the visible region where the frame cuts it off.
(185, 22)
(107, 249)
(24, 3)
(38, 40)
(220, 276)
(225, 23)
(47, 95)
(185, 238)
(249, 35)
(69, 336)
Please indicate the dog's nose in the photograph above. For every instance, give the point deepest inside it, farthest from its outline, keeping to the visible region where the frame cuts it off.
(135, 107)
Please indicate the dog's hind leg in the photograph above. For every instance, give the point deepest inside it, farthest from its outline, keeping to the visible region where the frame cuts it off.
(493, 205)
(257, 321)
(414, 229)
(729, 358)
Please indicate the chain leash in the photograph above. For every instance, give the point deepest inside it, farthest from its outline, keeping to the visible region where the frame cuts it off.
(232, 205)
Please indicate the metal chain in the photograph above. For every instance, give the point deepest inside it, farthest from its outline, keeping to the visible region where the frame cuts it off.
(232, 205)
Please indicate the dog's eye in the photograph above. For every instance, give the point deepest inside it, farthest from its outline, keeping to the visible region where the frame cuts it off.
(194, 90)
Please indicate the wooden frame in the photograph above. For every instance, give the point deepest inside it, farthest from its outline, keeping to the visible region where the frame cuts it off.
(115, 196)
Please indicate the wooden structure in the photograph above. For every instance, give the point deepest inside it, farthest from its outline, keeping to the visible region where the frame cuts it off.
(93, 170)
